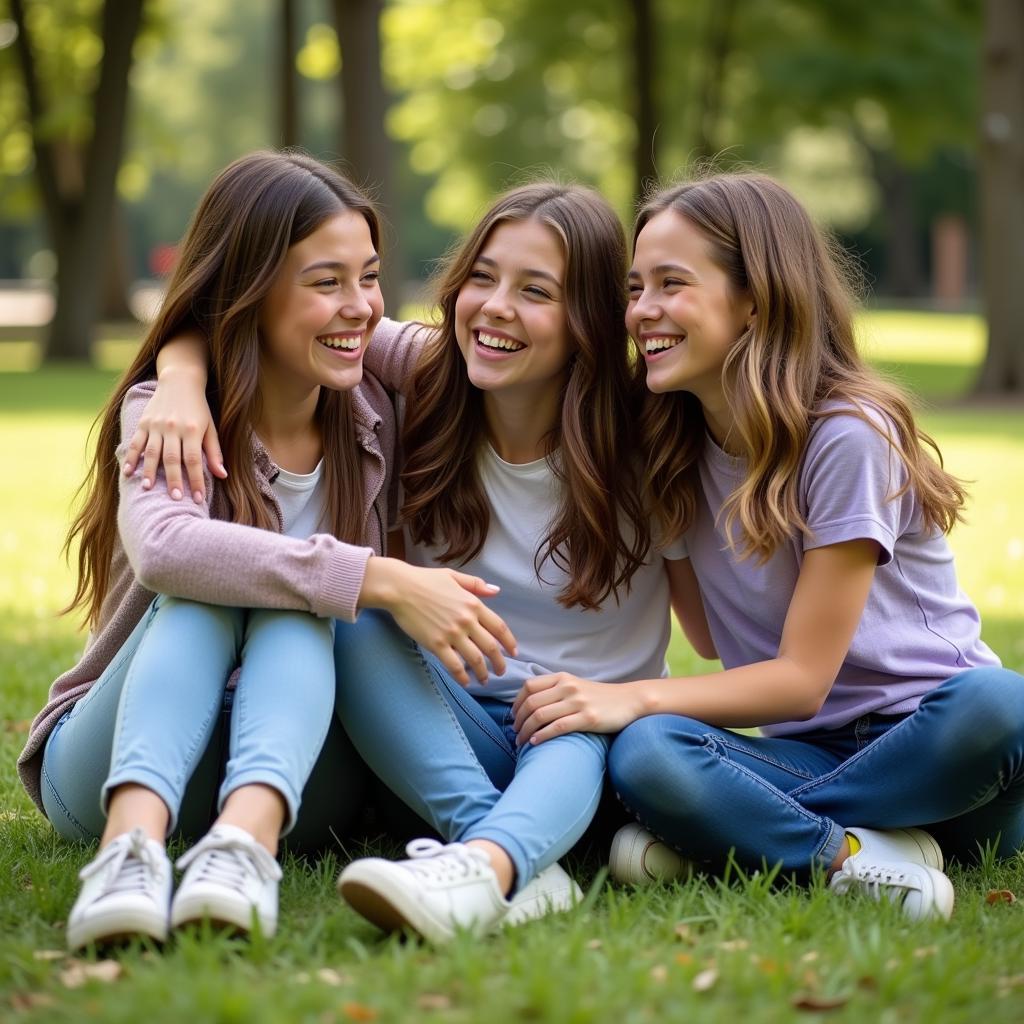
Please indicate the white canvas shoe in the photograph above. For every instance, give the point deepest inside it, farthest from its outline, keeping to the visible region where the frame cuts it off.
(126, 892)
(921, 891)
(230, 879)
(552, 891)
(438, 891)
(639, 858)
(896, 844)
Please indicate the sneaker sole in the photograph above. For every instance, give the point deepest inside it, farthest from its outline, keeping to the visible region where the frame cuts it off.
(361, 887)
(564, 895)
(223, 918)
(942, 896)
(931, 852)
(627, 858)
(115, 928)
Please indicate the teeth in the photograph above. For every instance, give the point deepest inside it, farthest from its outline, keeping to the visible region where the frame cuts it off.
(350, 344)
(493, 341)
(658, 344)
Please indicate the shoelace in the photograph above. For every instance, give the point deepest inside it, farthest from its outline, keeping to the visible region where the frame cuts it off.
(435, 862)
(228, 861)
(873, 878)
(134, 865)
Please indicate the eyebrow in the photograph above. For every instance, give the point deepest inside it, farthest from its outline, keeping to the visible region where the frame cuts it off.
(529, 271)
(663, 268)
(335, 265)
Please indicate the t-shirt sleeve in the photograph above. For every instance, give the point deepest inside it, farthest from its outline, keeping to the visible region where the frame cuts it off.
(676, 550)
(850, 476)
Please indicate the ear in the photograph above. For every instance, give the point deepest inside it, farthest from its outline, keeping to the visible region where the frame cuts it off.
(751, 315)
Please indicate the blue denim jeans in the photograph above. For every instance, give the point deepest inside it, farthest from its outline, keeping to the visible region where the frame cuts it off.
(453, 758)
(954, 766)
(152, 717)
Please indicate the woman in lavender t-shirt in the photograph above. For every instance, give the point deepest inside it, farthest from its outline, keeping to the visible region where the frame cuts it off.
(815, 523)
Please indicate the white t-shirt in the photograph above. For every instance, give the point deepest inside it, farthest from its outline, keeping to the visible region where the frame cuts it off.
(302, 501)
(617, 643)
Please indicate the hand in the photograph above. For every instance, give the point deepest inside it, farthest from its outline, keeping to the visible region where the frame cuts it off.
(441, 610)
(177, 424)
(550, 706)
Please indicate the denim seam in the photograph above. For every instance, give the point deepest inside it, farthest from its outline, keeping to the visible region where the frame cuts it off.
(63, 806)
(713, 740)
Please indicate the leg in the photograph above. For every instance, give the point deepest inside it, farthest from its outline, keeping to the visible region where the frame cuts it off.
(283, 707)
(955, 765)
(708, 791)
(418, 731)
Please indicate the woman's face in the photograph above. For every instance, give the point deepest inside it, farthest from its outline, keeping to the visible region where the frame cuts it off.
(510, 315)
(321, 310)
(684, 312)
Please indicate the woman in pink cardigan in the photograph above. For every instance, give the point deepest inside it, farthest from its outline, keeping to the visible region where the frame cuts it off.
(280, 270)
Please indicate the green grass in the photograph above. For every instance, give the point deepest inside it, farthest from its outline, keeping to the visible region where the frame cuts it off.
(629, 956)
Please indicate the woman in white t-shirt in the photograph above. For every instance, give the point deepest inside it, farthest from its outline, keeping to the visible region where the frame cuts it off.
(519, 447)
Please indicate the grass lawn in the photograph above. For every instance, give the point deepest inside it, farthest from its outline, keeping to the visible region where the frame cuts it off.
(704, 951)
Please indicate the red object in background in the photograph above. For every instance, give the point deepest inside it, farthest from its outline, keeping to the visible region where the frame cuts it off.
(162, 259)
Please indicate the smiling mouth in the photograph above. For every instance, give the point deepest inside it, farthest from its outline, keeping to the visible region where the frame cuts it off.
(345, 342)
(498, 342)
(661, 343)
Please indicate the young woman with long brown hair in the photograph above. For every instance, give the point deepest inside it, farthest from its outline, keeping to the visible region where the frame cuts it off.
(814, 519)
(279, 270)
(520, 462)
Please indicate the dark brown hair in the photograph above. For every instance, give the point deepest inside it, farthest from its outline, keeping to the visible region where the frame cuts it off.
(255, 210)
(600, 536)
(798, 354)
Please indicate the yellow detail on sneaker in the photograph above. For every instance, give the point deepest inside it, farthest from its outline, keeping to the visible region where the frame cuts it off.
(854, 843)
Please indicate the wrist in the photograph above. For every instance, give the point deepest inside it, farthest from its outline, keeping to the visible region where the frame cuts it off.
(180, 371)
(647, 697)
(379, 587)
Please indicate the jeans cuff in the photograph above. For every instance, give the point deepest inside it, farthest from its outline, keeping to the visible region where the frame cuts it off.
(150, 780)
(523, 864)
(831, 847)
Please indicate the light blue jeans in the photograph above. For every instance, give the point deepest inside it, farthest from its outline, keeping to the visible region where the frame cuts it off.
(453, 759)
(955, 766)
(153, 718)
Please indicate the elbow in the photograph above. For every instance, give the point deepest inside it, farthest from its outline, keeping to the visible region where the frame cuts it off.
(706, 649)
(151, 567)
(810, 702)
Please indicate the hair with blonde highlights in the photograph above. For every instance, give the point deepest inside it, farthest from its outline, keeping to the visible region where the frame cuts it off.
(797, 357)
(600, 535)
(251, 215)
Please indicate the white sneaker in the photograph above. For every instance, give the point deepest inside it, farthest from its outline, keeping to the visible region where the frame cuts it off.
(638, 858)
(921, 891)
(126, 891)
(551, 891)
(436, 892)
(230, 878)
(896, 844)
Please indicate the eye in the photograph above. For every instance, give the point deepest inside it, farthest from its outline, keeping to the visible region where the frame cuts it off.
(326, 282)
(479, 275)
(674, 282)
(371, 276)
(538, 292)
(635, 289)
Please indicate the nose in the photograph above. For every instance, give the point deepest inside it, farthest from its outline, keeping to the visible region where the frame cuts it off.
(355, 306)
(644, 307)
(498, 305)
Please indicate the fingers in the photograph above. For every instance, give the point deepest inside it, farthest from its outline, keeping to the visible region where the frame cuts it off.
(453, 663)
(475, 585)
(135, 448)
(151, 460)
(560, 727)
(172, 467)
(532, 686)
(495, 626)
(533, 704)
(214, 456)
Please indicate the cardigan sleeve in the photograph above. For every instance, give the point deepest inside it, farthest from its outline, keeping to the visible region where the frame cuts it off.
(176, 548)
(395, 350)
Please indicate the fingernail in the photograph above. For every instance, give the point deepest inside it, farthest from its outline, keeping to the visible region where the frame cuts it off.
(146, 483)
(492, 588)
(176, 493)
(197, 497)
(127, 469)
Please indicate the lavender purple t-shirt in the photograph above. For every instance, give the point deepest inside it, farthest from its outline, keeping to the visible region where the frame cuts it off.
(918, 627)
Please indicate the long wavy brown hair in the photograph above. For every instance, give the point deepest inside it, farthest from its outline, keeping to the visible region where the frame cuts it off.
(798, 354)
(255, 210)
(600, 536)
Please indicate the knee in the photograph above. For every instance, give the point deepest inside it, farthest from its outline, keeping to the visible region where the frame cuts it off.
(184, 614)
(989, 707)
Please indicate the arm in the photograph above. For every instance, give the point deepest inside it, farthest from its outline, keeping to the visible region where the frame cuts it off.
(684, 593)
(177, 423)
(176, 548)
(826, 606)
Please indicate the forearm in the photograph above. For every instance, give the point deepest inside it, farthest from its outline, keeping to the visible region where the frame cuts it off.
(186, 354)
(766, 692)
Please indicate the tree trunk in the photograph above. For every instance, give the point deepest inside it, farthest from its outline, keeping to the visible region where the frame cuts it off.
(78, 213)
(290, 131)
(716, 50)
(904, 273)
(645, 162)
(1002, 196)
(119, 273)
(365, 143)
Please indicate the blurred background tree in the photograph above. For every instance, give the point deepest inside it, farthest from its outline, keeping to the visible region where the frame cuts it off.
(870, 112)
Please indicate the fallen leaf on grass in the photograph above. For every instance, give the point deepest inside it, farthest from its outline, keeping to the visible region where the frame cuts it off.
(433, 1001)
(732, 945)
(16, 727)
(706, 980)
(49, 954)
(77, 973)
(359, 1011)
(329, 976)
(594, 944)
(995, 896)
(684, 959)
(815, 1003)
(32, 1000)
(809, 957)
(868, 982)
(659, 972)
(684, 933)
(922, 951)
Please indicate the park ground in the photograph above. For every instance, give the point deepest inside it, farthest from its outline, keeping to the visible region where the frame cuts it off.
(707, 950)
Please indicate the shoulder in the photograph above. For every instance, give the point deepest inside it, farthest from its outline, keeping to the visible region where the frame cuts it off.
(395, 332)
(842, 430)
